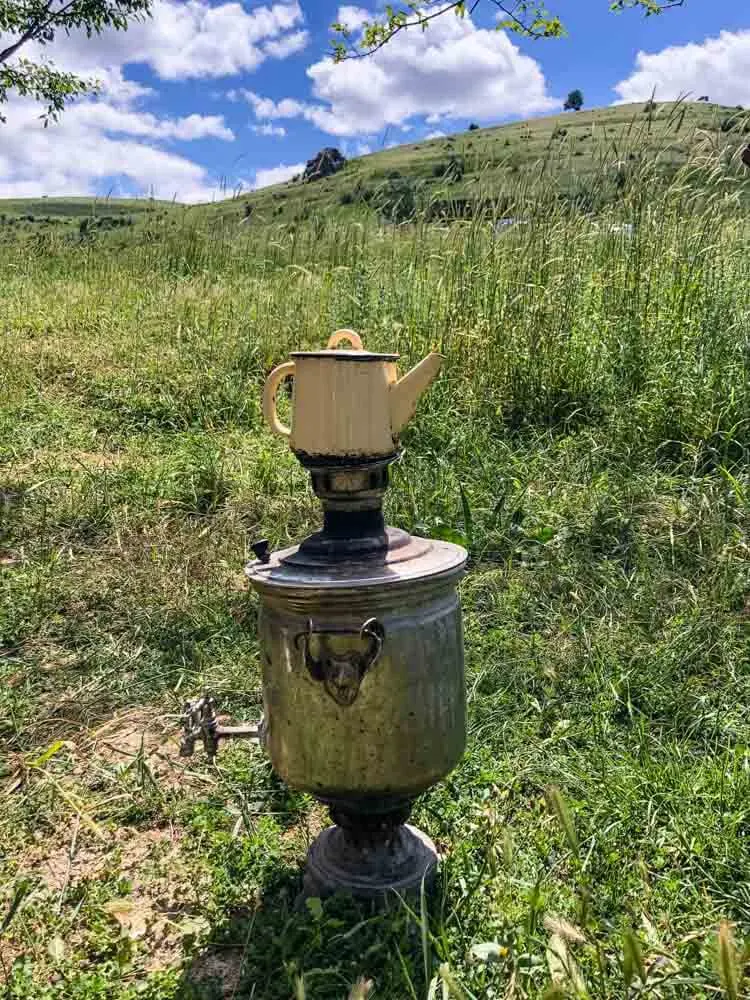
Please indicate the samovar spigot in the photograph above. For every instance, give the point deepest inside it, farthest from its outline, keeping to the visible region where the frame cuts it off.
(199, 722)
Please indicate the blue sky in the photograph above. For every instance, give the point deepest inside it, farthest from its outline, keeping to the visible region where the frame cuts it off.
(213, 95)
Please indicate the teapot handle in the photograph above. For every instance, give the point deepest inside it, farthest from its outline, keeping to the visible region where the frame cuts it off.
(270, 390)
(354, 339)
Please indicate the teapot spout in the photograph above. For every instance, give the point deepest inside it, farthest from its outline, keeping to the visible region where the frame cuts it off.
(405, 393)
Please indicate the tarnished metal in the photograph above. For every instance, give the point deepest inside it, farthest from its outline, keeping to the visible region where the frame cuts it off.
(405, 727)
(341, 672)
(199, 722)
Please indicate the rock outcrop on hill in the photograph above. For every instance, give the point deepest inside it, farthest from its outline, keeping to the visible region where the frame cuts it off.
(325, 163)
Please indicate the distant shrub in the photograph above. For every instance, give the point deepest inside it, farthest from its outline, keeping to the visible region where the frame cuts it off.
(29, 218)
(397, 201)
(346, 198)
(649, 107)
(736, 123)
(473, 127)
(451, 170)
(394, 174)
(559, 133)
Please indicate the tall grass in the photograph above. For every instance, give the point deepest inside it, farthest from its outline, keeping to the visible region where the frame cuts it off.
(588, 440)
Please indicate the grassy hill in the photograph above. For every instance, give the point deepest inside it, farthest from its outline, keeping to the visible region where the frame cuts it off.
(579, 152)
(588, 441)
(448, 175)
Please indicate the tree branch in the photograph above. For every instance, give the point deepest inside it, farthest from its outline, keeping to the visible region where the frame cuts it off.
(526, 17)
(30, 32)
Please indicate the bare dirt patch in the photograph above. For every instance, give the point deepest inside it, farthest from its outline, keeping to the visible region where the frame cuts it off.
(142, 736)
(161, 910)
(220, 967)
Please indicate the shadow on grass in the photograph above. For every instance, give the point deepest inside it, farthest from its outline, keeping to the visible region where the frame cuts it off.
(289, 946)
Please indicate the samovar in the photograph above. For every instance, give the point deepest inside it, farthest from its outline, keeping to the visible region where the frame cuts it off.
(360, 631)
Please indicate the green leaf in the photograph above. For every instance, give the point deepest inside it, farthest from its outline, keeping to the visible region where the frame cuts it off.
(559, 807)
(468, 520)
(445, 533)
(632, 958)
(23, 889)
(48, 754)
(315, 907)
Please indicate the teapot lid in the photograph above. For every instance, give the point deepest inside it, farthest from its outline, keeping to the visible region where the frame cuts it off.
(357, 354)
(346, 355)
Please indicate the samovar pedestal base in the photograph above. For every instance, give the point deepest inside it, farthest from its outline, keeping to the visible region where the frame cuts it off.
(369, 857)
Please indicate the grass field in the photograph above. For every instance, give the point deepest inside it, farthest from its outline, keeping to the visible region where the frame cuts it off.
(588, 441)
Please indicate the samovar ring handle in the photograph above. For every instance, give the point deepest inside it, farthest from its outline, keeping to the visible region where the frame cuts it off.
(342, 673)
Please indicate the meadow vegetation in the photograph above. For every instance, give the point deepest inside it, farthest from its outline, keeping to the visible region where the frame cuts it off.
(588, 441)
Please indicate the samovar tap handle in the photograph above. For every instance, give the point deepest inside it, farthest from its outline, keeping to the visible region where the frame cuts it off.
(199, 723)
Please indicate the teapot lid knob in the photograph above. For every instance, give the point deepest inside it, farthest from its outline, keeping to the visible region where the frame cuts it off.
(354, 339)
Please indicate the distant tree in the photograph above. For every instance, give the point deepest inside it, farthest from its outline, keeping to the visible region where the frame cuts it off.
(704, 98)
(473, 127)
(39, 21)
(649, 107)
(574, 101)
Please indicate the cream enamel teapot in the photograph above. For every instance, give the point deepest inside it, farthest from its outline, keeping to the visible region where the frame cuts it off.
(331, 385)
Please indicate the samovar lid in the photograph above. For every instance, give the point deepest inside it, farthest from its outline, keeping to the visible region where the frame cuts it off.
(406, 559)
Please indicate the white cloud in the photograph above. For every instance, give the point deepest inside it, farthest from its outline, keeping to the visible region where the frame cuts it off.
(97, 143)
(453, 70)
(264, 107)
(111, 140)
(268, 129)
(352, 18)
(437, 134)
(719, 67)
(108, 118)
(277, 175)
(287, 46)
(187, 39)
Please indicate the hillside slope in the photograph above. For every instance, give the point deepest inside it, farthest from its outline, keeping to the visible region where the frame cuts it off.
(451, 173)
(574, 150)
